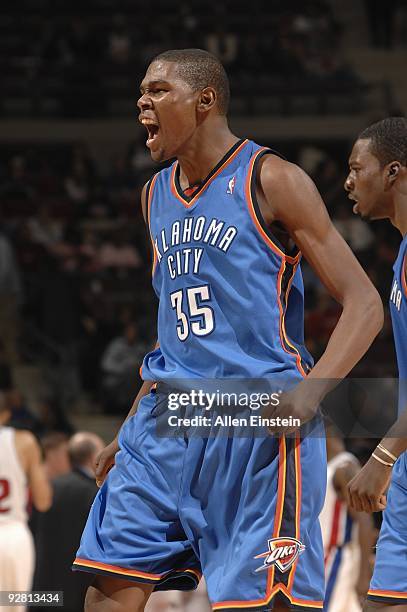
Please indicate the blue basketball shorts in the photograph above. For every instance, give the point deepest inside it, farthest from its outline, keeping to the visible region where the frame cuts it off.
(389, 580)
(244, 511)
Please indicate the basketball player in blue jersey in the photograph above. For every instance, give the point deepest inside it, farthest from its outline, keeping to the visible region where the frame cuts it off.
(378, 183)
(227, 222)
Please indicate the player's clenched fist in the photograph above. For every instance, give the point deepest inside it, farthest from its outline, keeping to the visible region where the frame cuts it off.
(366, 490)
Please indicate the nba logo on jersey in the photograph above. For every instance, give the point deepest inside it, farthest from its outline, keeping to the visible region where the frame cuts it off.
(231, 186)
(282, 553)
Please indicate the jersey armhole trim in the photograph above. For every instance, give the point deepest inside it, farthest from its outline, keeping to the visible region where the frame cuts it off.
(404, 275)
(254, 208)
(149, 198)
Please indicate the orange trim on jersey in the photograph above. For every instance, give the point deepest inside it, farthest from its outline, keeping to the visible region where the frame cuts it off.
(404, 275)
(278, 517)
(150, 198)
(298, 494)
(254, 604)
(270, 590)
(207, 183)
(283, 334)
(249, 201)
(127, 572)
(395, 594)
(284, 258)
(115, 569)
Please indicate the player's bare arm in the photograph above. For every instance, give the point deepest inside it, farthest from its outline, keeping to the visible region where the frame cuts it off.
(367, 490)
(29, 453)
(105, 460)
(287, 195)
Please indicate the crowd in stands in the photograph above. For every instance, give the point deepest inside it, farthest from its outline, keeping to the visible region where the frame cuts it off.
(85, 63)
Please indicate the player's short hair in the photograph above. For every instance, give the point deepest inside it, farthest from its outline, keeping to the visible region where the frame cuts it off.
(388, 140)
(200, 69)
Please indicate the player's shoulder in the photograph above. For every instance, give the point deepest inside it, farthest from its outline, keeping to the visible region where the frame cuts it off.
(26, 441)
(277, 172)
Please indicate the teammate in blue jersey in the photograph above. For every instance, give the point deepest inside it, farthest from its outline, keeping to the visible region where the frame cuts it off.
(227, 221)
(378, 183)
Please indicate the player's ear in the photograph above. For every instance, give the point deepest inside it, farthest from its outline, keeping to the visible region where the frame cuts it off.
(391, 172)
(207, 100)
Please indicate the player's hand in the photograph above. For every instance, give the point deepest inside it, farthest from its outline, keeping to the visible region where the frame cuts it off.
(366, 491)
(105, 461)
(297, 404)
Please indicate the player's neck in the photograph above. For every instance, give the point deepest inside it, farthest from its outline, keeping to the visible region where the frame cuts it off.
(209, 145)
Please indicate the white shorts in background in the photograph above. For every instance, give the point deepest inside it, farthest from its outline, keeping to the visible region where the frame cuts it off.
(16, 560)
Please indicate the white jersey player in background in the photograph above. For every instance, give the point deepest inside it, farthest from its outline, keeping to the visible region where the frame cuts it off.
(20, 469)
(348, 536)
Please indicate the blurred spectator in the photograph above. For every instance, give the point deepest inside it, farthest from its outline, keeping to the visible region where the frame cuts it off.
(21, 415)
(18, 185)
(52, 417)
(20, 468)
(223, 44)
(119, 41)
(120, 364)
(56, 457)
(347, 551)
(10, 299)
(119, 253)
(57, 532)
(78, 184)
(44, 229)
(357, 233)
(122, 182)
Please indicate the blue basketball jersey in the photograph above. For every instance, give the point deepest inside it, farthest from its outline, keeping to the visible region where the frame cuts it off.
(398, 309)
(230, 298)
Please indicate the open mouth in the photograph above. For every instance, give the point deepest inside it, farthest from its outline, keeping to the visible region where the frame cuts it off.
(356, 205)
(152, 129)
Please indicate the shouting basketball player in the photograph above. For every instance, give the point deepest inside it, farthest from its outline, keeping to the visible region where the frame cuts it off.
(228, 221)
(377, 182)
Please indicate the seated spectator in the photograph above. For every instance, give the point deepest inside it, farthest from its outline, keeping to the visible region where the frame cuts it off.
(45, 229)
(78, 183)
(119, 253)
(119, 41)
(120, 364)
